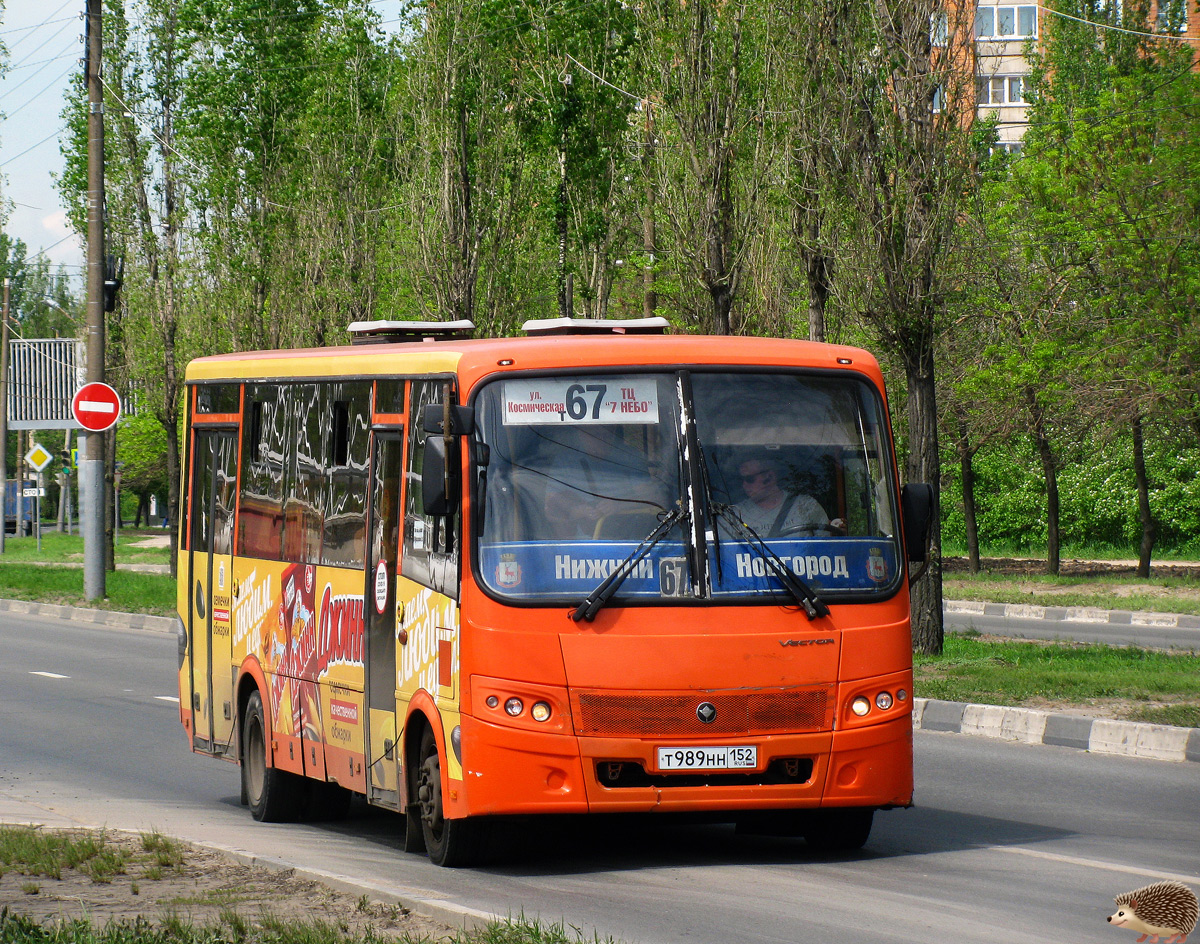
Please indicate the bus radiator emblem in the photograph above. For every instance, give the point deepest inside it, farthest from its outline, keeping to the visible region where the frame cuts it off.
(706, 711)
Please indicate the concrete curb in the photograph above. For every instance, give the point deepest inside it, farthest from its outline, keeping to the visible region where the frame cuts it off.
(1071, 614)
(81, 614)
(1030, 726)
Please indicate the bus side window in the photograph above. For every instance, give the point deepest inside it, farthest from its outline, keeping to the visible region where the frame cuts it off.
(430, 542)
(348, 456)
(264, 451)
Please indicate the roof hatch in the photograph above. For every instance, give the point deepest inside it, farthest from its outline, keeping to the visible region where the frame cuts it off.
(392, 332)
(550, 326)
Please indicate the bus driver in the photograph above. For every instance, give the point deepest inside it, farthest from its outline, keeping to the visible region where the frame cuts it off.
(769, 511)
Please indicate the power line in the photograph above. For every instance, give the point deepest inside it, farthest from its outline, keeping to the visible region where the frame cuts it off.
(1119, 29)
(44, 42)
(53, 82)
(29, 78)
(49, 21)
(52, 134)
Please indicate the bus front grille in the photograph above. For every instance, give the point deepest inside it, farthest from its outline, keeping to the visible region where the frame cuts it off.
(620, 714)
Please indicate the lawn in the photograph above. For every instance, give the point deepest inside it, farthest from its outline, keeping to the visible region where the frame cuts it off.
(1140, 684)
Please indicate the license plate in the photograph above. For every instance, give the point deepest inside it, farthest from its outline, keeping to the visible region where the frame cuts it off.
(727, 757)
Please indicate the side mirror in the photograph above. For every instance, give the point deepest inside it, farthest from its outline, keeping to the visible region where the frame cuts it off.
(440, 478)
(916, 507)
(462, 419)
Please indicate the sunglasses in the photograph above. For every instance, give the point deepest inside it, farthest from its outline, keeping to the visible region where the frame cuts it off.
(755, 476)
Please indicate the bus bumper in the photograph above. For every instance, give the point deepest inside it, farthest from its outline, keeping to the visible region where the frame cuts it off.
(511, 771)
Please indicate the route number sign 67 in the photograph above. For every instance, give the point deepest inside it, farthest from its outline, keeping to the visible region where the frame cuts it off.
(550, 401)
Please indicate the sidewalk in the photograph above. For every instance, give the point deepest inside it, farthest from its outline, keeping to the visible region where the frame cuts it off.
(1023, 725)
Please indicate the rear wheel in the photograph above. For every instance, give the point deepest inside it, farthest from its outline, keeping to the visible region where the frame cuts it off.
(839, 830)
(451, 842)
(273, 795)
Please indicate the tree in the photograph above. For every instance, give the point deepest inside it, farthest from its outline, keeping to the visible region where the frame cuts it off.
(142, 448)
(902, 158)
(710, 65)
(1111, 179)
(568, 104)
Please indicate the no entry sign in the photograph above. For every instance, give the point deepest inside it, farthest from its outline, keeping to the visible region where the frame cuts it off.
(96, 407)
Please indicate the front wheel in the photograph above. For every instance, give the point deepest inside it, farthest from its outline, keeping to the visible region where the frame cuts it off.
(839, 830)
(273, 795)
(450, 842)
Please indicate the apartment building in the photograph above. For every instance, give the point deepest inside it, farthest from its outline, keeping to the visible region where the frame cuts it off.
(1003, 32)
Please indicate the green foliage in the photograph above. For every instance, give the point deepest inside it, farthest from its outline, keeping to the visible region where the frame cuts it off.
(276, 173)
(1096, 488)
(142, 450)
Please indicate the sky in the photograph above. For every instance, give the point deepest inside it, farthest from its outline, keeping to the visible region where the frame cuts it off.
(43, 39)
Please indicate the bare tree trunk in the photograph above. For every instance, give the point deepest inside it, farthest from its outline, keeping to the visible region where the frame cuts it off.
(966, 466)
(110, 472)
(1143, 490)
(718, 274)
(1050, 473)
(561, 223)
(818, 267)
(923, 466)
(649, 236)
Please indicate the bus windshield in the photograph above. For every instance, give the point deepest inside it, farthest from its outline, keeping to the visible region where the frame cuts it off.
(752, 470)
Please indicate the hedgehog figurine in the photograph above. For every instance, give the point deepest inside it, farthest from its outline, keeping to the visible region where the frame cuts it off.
(1162, 910)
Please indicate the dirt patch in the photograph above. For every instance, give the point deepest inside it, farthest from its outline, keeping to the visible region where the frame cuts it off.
(1103, 709)
(204, 890)
(1017, 566)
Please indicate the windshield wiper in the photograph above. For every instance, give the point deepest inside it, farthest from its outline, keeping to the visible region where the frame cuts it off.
(805, 595)
(596, 600)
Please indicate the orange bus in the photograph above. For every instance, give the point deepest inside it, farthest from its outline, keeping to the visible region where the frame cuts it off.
(598, 568)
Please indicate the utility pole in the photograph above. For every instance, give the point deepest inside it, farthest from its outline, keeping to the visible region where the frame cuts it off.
(4, 416)
(91, 462)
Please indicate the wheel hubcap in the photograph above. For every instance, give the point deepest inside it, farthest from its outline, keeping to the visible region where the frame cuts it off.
(429, 793)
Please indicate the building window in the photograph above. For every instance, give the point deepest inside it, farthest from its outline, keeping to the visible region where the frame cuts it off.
(1001, 90)
(1012, 148)
(1005, 23)
(1172, 16)
(939, 30)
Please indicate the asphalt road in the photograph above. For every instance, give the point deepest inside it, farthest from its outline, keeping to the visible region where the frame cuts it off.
(1008, 843)
(1154, 631)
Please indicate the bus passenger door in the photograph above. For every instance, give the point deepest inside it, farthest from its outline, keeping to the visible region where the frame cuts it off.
(210, 569)
(380, 619)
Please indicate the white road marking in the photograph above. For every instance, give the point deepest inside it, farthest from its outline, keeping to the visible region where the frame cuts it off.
(1097, 864)
(50, 675)
(171, 698)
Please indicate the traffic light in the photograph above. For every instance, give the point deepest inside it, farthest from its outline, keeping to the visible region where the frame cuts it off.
(114, 277)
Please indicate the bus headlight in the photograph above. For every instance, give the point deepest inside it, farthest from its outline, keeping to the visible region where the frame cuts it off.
(540, 711)
(860, 706)
(513, 707)
(883, 701)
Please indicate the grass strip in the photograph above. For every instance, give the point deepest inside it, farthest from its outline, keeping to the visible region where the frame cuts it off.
(68, 548)
(1028, 674)
(126, 591)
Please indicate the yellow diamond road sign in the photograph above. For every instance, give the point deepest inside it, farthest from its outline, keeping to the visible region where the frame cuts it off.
(38, 457)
